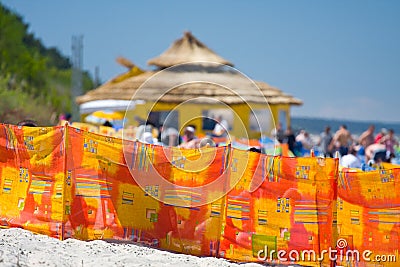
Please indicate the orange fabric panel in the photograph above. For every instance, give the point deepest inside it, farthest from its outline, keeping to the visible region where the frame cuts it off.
(224, 202)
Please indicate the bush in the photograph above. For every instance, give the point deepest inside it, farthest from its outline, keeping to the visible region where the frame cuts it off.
(17, 105)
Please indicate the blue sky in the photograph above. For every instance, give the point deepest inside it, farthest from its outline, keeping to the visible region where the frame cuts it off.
(342, 58)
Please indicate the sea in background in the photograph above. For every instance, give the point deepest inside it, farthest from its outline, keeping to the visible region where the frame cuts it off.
(316, 125)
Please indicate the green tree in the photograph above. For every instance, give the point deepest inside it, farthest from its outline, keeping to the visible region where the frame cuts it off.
(38, 75)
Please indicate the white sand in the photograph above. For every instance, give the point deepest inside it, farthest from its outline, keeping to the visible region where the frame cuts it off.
(19, 247)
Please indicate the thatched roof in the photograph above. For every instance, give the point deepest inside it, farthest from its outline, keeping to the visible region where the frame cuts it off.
(220, 85)
(186, 80)
(184, 50)
(133, 70)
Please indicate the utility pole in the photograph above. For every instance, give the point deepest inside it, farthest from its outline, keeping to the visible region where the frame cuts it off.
(77, 66)
(97, 81)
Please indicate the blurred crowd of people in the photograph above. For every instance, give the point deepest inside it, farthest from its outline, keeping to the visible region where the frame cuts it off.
(353, 151)
(165, 135)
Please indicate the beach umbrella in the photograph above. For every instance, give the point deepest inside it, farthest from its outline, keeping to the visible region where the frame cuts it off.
(101, 116)
(106, 104)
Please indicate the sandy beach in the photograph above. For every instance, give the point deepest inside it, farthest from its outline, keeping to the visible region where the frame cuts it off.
(19, 247)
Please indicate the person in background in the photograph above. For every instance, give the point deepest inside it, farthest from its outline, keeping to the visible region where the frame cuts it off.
(324, 142)
(64, 118)
(255, 149)
(108, 124)
(290, 139)
(28, 123)
(142, 128)
(379, 136)
(199, 143)
(304, 138)
(147, 137)
(367, 138)
(389, 141)
(351, 160)
(189, 138)
(278, 133)
(206, 142)
(221, 127)
(341, 140)
(168, 136)
(375, 153)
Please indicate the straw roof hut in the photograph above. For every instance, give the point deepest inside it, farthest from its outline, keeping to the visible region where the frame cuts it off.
(185, 83)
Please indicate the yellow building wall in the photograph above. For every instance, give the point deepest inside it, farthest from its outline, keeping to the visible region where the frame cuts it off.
(280, 107)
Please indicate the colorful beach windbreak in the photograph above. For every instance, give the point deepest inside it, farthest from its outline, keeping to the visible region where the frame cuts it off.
(221, 202)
